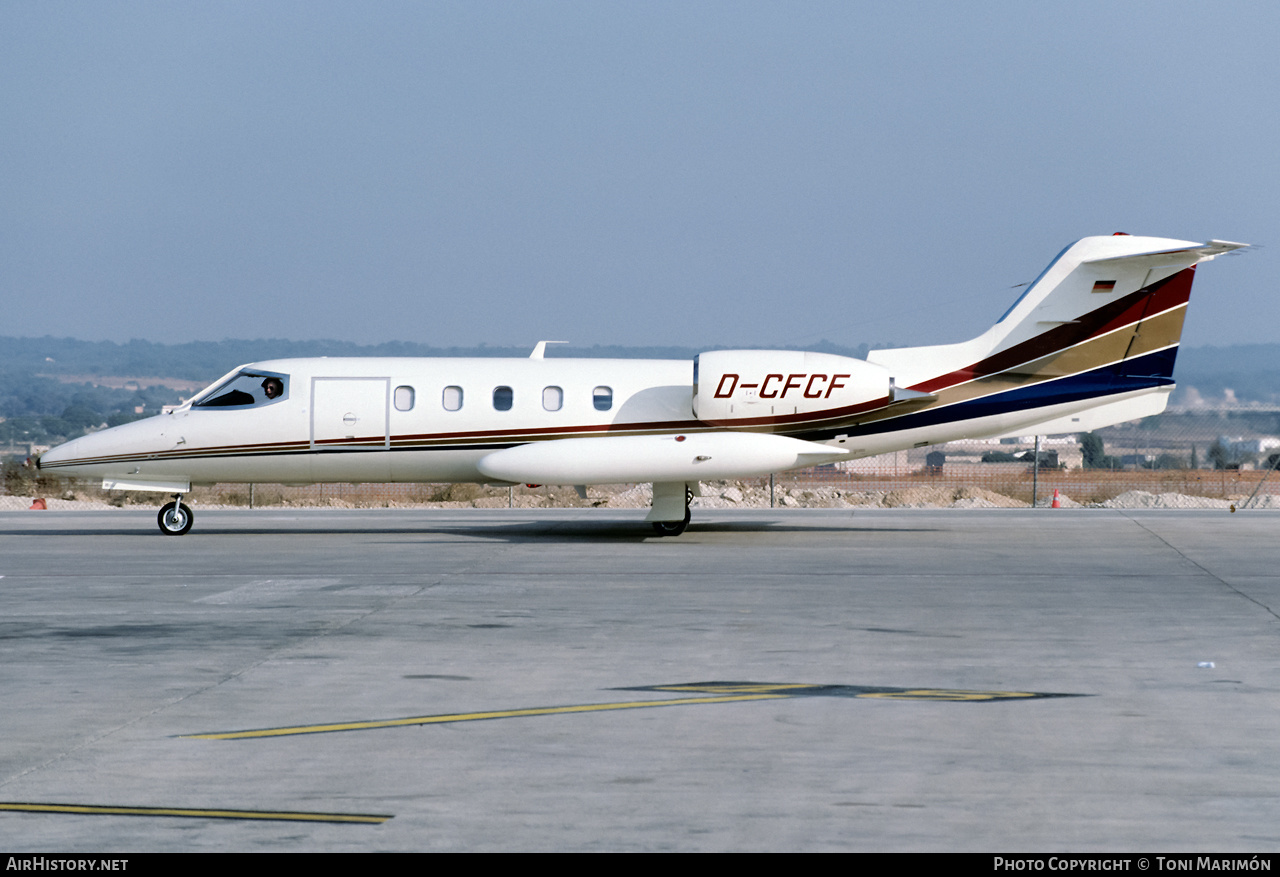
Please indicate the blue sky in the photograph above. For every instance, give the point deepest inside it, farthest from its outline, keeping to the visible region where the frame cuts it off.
(686, 173)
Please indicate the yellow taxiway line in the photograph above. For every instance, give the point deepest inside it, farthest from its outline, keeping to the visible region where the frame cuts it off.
(475, 717)
(713, 692)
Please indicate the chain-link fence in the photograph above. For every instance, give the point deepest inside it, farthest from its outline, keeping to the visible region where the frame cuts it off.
(1221, 454)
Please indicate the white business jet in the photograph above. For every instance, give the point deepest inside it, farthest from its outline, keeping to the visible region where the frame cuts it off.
(1090, 342)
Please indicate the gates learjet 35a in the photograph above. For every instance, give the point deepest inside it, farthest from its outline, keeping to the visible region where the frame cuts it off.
(1090, 343)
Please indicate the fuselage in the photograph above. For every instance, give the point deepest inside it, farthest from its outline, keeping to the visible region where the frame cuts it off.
(434, 420)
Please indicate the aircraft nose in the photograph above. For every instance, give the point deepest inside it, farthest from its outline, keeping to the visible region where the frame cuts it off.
(66, 453)
(99, 448)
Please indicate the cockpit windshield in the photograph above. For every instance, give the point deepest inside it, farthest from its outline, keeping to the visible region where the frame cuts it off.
(247, 389)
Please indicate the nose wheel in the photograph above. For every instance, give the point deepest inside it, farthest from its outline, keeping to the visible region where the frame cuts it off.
(175, 518)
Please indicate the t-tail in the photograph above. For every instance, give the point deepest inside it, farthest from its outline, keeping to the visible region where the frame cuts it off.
(1091, 342)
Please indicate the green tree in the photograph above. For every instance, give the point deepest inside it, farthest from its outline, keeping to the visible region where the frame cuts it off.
(82, 417)
(1093, 450)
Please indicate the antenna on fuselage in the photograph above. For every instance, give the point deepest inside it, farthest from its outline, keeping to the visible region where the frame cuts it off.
(541, 348)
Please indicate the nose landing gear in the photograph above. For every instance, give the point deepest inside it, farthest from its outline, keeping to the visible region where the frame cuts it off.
(175, 518)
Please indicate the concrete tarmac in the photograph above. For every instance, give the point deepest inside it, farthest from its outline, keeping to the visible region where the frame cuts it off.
(925, 631)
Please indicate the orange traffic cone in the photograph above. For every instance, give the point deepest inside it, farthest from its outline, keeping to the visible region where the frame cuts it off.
(1057, 503)
(39, 505)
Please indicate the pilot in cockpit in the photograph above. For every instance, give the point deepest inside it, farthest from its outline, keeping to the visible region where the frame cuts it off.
(244, 390)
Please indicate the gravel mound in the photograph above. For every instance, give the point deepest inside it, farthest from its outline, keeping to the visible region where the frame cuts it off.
(1140, 499)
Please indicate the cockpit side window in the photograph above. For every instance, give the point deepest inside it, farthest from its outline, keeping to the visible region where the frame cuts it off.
(247, 389)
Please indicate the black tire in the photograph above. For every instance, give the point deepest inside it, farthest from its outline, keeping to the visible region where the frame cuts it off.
(175, 519)
(672, 528)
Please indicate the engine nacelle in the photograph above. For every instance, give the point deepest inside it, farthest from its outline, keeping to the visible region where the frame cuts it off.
(763, 386)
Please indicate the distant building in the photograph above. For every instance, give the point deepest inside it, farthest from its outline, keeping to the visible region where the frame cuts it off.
(1046, 460)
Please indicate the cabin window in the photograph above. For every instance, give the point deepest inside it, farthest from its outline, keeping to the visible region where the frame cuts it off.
(246, 389)
(404, 398)
(552, 398)
(602, 398)
(452, 398)
(503, 398)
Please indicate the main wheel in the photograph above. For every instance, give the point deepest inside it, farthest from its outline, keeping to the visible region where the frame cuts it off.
(672, 528)
(175, 519)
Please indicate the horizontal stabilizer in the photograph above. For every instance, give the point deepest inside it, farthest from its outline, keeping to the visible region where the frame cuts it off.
(902, 400)
(1171, 256)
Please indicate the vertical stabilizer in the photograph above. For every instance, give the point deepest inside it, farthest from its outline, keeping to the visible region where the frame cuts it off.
(1102, 302)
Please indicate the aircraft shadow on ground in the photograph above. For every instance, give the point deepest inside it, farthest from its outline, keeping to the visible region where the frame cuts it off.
(525, 531)
(578, 531)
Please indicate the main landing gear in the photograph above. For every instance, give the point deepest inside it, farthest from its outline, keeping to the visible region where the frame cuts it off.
(672, 528)
(175, 518)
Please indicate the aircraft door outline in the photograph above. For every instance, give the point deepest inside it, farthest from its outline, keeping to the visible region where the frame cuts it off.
(351, 413)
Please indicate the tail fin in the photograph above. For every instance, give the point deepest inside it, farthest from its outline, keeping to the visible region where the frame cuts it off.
(1102, 320)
